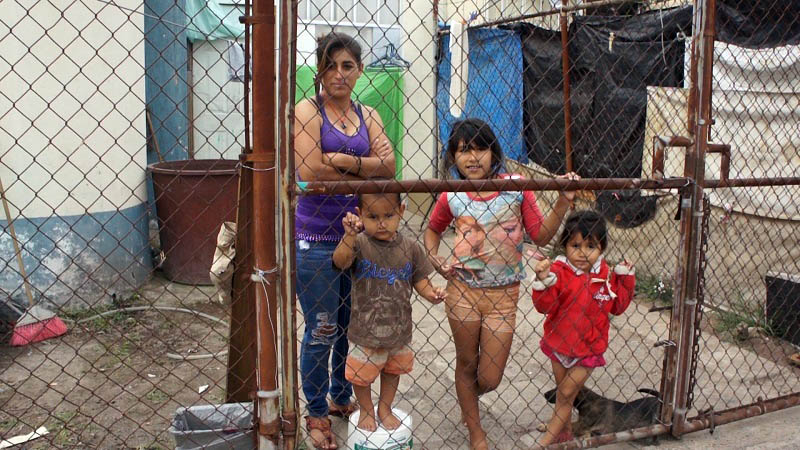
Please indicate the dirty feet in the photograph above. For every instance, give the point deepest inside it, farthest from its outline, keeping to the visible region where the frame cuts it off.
(319, 430)
(388, 420)
(477, 440)
(366, 420)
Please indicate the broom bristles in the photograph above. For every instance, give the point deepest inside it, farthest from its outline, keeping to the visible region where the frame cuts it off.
(38, 331)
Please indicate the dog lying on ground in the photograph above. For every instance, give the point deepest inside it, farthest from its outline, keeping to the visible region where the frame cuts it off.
(600, 415)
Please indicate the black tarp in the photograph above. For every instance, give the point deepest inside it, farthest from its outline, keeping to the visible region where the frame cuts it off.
(608, 88)
(543, 98)
(608, 98)
(608, 80)
(758, 23)
(624, 55)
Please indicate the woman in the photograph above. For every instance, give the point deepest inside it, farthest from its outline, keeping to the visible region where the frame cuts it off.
(335, 139)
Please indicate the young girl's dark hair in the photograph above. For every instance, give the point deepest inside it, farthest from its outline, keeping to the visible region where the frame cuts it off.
(329, 44)
(589, 224)
(474, 133)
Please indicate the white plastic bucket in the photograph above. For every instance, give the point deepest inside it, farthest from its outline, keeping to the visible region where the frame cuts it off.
(381, 439)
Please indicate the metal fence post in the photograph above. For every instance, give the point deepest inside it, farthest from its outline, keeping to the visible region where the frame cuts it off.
(264, 184)
(288, 50)
(692, 207)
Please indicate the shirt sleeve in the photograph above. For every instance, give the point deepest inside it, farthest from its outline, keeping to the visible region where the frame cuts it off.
(422, 265)
(441, 215)
(531, 215)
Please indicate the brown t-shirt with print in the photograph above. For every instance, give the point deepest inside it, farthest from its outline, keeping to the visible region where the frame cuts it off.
(384, 273)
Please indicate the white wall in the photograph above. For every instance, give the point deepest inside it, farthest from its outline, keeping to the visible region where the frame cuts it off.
(73, 137)
(218, 103)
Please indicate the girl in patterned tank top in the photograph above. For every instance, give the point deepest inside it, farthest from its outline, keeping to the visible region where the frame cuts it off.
(485, 268)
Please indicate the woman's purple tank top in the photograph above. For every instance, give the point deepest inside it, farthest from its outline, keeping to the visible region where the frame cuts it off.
(319, 217)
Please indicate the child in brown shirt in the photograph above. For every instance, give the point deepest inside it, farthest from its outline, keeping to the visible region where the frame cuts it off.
(385, 266)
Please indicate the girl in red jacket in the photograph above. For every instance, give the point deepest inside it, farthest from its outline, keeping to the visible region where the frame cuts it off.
(577, 292)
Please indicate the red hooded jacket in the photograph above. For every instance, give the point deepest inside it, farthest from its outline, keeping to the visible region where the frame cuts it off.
(577, 305)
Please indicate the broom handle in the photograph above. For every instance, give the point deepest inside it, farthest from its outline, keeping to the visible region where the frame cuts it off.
(16, 245)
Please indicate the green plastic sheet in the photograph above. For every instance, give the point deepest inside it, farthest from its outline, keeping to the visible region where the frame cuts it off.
(380, 88)
(208, 20)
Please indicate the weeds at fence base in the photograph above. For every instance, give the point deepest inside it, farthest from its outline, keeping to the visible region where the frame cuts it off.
(653, 288)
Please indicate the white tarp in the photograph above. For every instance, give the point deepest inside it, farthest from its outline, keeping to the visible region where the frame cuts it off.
(763, 130)
(773, 70)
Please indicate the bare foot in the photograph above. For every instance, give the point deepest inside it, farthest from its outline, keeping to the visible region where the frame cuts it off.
(319, 430)
(477, 440)
(366, 421)
(388, 420)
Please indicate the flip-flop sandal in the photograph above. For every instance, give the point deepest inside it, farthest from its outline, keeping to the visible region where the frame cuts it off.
(323, 425)
(343, 412)
(794, 359)
(564, 436)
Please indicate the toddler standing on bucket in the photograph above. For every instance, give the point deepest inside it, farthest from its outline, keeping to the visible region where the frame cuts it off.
(385, 266)
(577, 292)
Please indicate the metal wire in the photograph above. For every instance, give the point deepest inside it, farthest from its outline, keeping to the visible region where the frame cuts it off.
(121, 165)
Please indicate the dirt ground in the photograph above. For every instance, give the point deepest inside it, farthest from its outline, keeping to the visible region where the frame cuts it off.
(108, 383)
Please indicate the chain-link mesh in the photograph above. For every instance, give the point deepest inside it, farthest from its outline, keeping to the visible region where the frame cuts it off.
(121, 136)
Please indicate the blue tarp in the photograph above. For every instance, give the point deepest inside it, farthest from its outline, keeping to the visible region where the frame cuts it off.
(494, 88)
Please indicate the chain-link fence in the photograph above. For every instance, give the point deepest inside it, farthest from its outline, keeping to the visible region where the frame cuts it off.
(142, 142)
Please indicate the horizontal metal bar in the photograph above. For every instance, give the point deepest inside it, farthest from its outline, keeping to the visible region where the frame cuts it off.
(741, 412)
(521, 184)
(692, 425)
(550, 12)
(752, 182)
(622, 436)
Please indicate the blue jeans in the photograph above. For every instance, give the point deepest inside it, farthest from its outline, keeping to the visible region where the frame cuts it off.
(324, 295)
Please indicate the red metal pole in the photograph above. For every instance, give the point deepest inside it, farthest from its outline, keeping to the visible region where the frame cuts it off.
(695, 168)
(286, 91)
(493, 185)
(262, 163)
(566, 86)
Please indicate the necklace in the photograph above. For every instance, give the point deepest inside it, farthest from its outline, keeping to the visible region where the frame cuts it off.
(342, 117)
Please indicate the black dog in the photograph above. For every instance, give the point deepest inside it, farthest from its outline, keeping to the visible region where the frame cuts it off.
(600, 415)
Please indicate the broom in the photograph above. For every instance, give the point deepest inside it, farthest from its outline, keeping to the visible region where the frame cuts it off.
(37, 323)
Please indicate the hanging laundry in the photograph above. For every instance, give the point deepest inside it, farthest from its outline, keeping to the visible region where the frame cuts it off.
(646, 50)
(235, 61)
(543, 105)
(494, 90)
(459, 63)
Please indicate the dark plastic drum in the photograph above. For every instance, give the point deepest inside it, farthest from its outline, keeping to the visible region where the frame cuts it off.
(193, 198)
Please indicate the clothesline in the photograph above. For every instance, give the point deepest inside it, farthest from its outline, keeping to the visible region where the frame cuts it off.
(558, 10)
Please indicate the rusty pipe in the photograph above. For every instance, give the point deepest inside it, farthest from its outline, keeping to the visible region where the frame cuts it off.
(521, 184)
(286, 176)
(753, 182)
(694, 424)
(725, 151)
(549, 12)
(695, 168)
(758, 408)
(566, 86)
(660, 144)
(264, 189)
(621, 436)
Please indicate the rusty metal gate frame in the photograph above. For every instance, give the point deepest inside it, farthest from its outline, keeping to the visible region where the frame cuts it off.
(681, 352)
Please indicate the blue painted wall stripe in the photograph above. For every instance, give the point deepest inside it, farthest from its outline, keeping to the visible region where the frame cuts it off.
(78, 260)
